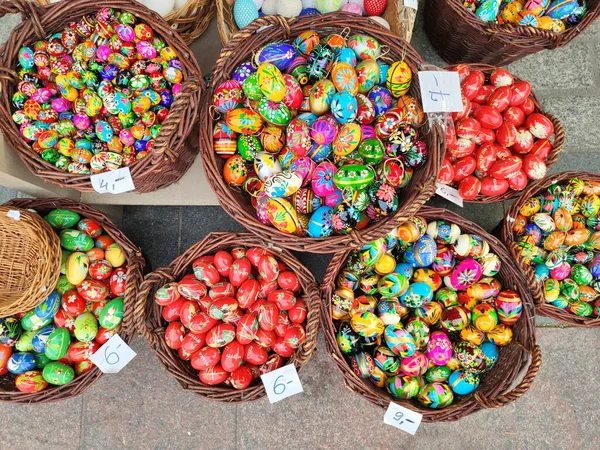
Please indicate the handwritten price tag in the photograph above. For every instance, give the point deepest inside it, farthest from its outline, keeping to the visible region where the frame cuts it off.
(402, 418)
(113, 182)
(14, 214)
(440, 91)
(113, 355)
(449, 193)
(282, 383)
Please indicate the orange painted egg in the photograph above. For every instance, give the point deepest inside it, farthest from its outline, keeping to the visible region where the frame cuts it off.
(244, 121)
(235, 172)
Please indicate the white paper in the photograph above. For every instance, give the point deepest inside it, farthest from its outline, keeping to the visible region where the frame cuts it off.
(14, 214)
(113, 182)
(113, 355)
(402, 418)
(282, 383)
(414, 4)
(449, 193)
(440, 91)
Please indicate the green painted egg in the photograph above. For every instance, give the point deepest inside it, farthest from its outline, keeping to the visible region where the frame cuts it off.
(581, 274)
(32, 322)
(24, 344)
(58, 344)
(437, 374)
(86, 327)
(75, 240)
(58, 374)
(403, 386)
(248, 146)
(63, 261)
(111, 315)
(436, 395)
(275, 113)
(63, 285)
(42, 360)
(62, 218)
(371, 150)
(77, 267)
(354, 176)
(582, 309)
(251, 87)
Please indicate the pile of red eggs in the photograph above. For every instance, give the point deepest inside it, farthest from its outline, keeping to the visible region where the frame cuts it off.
(239, 315)
(499, 141)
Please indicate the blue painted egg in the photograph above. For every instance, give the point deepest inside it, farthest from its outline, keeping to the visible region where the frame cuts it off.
(308, 117)
(319, 153)
(423, 252)
(280, 55)
(381, 99)
(41, 338)
(346, 55)
(344, 107)
(104, 131)
(594, 265)
(244, 12)
(26, 58)
(309, 12)
(21, 362)
(320, 224)
(561, 9)
(532, 229)
(490, 354)
(404, 269)
(49, 307)
(542, 272)
(417, 295)
(463, 383)
(383, 71)
(243, 71)
(392, 285)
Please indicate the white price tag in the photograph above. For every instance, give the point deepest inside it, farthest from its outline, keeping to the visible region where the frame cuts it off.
(440, 91)
(449, 193)
(282, 383)
(402, 418)
(14, 214)
(114, 182)
(414, 4)
(113, 355)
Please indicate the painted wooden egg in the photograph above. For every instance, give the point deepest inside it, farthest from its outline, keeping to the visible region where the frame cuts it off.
(423, 252)
(362, 364)
(93, 290)
(77, 267)
(298, 137)
(399, 341)
(306, 41)
(455, 318)
(484, 317)
(275, 113)
(242, 71)
(271, 82)
(415, 365)
(353, 176)
(279, 54)
(364, 46)
(86, 327)
(321, 96)
(403, 386)
(344, 107)
(49, 307)
(251, 87)
(371, 150)
(385, 359)
(367, 324)
(324, 130)
(323, 179)
(347, 139)
(272, 138)
(367, 73)
(319, 62)
(465, 274)
(283, 216)
(227, 96)
(344, 78)
(320, 224)
(224, 141)
(283, 184)
(417, 295)
(234, 171)
(58, 374)
(463, 383)
(57, 343)
(305, 202)
(509, 306)
(293, 94)
(410, 108)
(399, 77)
(366, 111)
(501, 335)
(444, 260)
(30, 381)
(248, 146)
(244, 120)
(266, 165)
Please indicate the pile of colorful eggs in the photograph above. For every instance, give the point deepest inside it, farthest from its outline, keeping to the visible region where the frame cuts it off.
(553, 15)
(53, 343)
(498, 142)
(421, 314)
(245, 11)
(320, 133)
(93, 97)
(239, 315)
(558, 233)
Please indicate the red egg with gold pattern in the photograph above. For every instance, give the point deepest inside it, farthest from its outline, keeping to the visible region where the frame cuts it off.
(502, 152)
(220, 335)
(220, 290)
(446, 173)
(248, 293)
(282, 348)
(295, 335)
(232, 356)
(541, 149)
(528, 106)
(205, 357)
(254, 254)
(265, 338)
(267, 319)
(450, 136)
(222, 307)
(73, 304)
(463, 147)
(81, 351)
(238, 252)
(466, 110)
(524, 142)
(468, 128)
(266, 287)
(484, 94)
(500, 98)
(471, 84)
(534, 168)
(192, 342)
(464, 167)
(268, 268)
(241, 378)
(274, 362)
(493, 186)
(174, 335)
(506, 168)
(506, 134)
(255, 354)
(256, 306)
(298, 312)
(233, 317)
(519, 181)
(202, 323)
(289, 280)
(239, 272)
(282, 298)
(488, 117)
(485, 157)
(188, 310)
(283, 322)
(167, 294)
(515, 115)
(192, 289)
(519, 93)
(100, 270)
(485, 136)
(539, 125)
(469, 187)
(501, 77)
(463, 71)
(222, 262)
(213, 375)
(206, 272)
(246, 329)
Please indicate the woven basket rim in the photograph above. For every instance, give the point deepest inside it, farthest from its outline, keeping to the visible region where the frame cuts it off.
(526, 358)
(557, 143)
(170, 143)
(150, 325)
(135, 265)
(543, 308)
(420, 189)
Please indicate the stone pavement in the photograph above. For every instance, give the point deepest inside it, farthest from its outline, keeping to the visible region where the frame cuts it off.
(143, 407)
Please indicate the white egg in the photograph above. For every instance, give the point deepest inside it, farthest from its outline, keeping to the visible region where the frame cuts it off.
(381, 21)
(289, 8)
(258, 3)
(269, 7)
(308, 3)
(162, 7)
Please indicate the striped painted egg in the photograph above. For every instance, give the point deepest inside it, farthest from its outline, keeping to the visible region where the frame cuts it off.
(224, 140)
(399, 77)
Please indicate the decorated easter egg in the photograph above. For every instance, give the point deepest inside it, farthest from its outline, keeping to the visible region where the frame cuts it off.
(354, 177)
(347, 139)
(271, 82)
(509, 306)
(490, 353)
(463, 383)
(385, 359)
(417, 295)
(368, 75)
(30, 381)
(415, 365)
(393, 285)
(227, 96)
(364, 46)
(320, 224)
(439, 348)
(465, 274)
(347, 339)
(49, 307)
(344, 107)
(403, 386)
(399, 341)
(484, 317)
(266, 165)
(399, 77)
(362, 364)
(455, 318)
(279, 54)
(321, 96)
(275, 113)
(470, 356)
(244, 120)
(283, 216)
(435, 395)
(283, 184)
(319, 61)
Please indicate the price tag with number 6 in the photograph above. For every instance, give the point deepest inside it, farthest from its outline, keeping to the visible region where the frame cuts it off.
(113, 355)
(282, 383)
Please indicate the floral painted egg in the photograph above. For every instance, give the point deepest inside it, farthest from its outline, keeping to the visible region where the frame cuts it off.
(271, 82)
(234, 171)
(298, 137)
(306, 41)
(354, 177)
(381, 99)
(455, 318)
(283, 216)
(320, 224)
(344, 78)
(244, 120)
(417, 295)
(324, 130)
(321, 96)
(319, 62)
(465, 274)
(439, 348)
(366, 111)
(279, 54)
(293, 92)
(463, 383)
(399, 341)
(435, 395)
(266, 165)
(405, 387)
(470, 356)
(323, 179)
(227, 96)
(399, 77)
(392, 285)
(364, 46)
(509, 306)
(242, 72)
(415, 365)
(344, 107)
(275, 113)
(347, 139)
(367, 73)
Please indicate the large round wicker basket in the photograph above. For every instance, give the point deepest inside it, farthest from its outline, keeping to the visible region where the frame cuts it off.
(557, 144)
(508, 237)
(135, 265)
(458, 35)
(519, 361)
(151, 325)
(176, 146)
(237, 204)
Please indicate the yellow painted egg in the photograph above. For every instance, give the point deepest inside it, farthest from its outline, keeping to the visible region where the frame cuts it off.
(244, 121)
(558, 26)
(554, 240)
(545, 23)
(347, 139)
(344, 78)
(399, 77)
(368, 75)
(551, 290)
(77, 267)
(530, 207)
(114, 255)
(272, 138)
(386, 264)
(271, 82)
(577, 236)
(510, 13)
(282, 216)
(410, 110)
(321, 95)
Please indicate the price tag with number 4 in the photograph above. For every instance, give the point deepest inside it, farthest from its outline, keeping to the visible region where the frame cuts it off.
(282, 383)
(114, 182)
(440, 91)
(402, 418)
(113, 355)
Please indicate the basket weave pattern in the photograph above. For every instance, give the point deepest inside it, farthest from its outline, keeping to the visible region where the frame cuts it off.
(237, 204)
(521, 356)
(151, 326)
(176, 146)
(537, 289)
(135, 265)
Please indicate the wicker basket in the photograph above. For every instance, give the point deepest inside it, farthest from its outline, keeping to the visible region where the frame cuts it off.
(237, 204)
(557, 144)
(458, 35)
(135, 264)
(176, 146)
(521, 355)
(151, 325)
(537, 289)
(400, 18)
(29, 260)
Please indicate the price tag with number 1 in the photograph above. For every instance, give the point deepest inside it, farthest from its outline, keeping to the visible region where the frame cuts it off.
(282, 383)
(113, 355)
